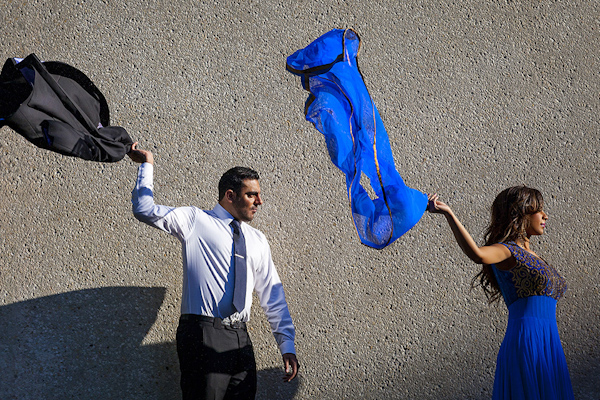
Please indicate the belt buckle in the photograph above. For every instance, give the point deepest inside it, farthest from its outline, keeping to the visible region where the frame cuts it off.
(235, 324)
(232, 323)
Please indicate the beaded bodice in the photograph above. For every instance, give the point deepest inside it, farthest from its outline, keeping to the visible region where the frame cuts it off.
(531, 276)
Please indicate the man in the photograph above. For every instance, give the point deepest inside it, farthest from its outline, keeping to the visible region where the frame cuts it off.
(223, 260)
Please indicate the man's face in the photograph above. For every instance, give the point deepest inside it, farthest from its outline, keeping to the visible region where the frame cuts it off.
(245, 204)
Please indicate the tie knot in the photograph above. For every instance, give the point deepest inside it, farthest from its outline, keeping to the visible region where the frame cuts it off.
(236, 225)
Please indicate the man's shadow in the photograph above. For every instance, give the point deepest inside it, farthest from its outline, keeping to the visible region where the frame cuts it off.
(271, 385)
(88, 345)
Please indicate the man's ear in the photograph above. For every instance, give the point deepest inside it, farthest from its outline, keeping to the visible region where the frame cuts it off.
(230, 196)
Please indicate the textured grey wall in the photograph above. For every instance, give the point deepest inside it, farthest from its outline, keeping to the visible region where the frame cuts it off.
(475, 95)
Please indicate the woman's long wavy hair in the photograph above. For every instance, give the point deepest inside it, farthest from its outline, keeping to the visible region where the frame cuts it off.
(508, 223)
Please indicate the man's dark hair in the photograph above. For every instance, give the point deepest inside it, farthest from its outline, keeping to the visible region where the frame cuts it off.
(234, 179)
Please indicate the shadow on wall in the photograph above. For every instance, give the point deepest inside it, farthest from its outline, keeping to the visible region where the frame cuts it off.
(271, 385)
(86, 345)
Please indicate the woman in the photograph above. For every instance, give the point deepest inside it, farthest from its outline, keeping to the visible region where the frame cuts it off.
(531, 363)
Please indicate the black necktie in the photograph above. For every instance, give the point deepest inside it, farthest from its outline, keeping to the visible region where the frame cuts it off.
(239, 253)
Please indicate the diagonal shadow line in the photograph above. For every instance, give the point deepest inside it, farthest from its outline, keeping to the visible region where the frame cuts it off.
(86, 344)
(271, 386)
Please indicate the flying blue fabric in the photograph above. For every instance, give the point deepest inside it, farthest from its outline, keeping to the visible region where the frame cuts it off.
(341, 109)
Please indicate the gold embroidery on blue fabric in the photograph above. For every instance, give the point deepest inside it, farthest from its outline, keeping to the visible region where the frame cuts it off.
(534, 277)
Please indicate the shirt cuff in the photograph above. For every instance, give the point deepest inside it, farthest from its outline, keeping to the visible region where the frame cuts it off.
(287, 347)
(146, 174)
(147, 167)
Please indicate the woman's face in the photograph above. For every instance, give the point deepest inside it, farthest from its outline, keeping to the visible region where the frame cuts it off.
(536, 223)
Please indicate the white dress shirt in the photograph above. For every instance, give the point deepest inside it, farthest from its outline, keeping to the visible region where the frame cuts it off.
(207, 244)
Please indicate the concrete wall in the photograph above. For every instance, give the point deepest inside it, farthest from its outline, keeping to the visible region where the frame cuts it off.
(475, 95)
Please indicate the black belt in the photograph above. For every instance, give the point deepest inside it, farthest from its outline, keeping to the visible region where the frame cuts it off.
(218, 323)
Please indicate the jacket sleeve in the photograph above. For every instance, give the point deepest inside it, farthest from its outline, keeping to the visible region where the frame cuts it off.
(177, 221)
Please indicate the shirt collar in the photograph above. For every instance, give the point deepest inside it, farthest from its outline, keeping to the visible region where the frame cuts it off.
(223, 214)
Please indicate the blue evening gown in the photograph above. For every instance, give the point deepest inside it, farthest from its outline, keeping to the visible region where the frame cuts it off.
(531, 363)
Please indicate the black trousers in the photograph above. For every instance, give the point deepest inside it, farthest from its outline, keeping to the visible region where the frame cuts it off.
(216, 360)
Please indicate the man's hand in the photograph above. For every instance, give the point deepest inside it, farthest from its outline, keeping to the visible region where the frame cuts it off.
(290, 363)
(140, 156)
